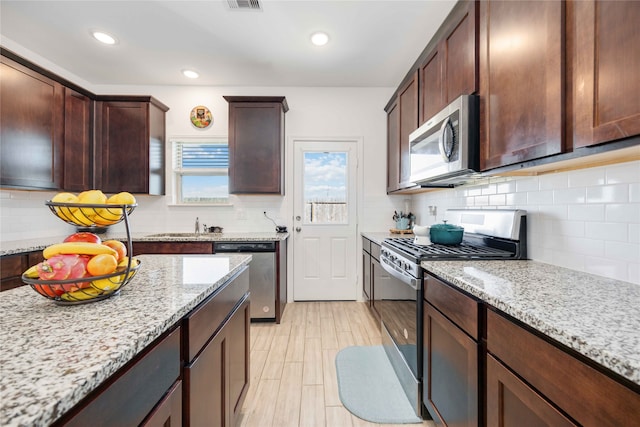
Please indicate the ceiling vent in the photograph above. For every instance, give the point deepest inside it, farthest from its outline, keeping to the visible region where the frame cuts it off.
(244, 4)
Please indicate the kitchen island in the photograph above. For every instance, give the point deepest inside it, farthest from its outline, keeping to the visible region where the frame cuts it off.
(53, 356)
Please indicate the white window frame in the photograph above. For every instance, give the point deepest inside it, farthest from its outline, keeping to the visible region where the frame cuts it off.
(177, 172)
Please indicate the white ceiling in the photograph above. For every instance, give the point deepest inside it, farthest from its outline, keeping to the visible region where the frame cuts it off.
(373, 43)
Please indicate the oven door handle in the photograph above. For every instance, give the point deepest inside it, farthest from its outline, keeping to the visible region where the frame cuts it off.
(410, 281)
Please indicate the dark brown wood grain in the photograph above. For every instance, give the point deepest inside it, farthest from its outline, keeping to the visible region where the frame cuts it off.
(408, 104)
(582, 392)
(256, 146)
(281, 279)
(78, 141)
(521, 81)
(606, 66)
(431, 82)
(140, 248)
(168, 413)
(393, 147)
(459, 308)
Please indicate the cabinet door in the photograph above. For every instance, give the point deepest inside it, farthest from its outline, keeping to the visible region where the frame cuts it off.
(521, 81)
(205, 395)
(366, 277)
(393, 147)
(256, 142)
(78, 146)
(238, 332)
(124, 146)
(172, 248)
(168, 413)
(460, 60)
(450, 371)
(431, 82)
(510, 401)
(408, 104)
(31, 113)
(606, 69)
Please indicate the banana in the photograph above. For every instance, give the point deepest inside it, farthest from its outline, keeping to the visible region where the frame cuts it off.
(31, 272)
(110, 284)
(81, 294)
(80, 248)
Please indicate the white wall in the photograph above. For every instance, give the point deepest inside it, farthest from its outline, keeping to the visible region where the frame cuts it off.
(586, 220)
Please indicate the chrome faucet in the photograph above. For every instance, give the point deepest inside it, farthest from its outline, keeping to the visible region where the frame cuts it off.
(197, 226)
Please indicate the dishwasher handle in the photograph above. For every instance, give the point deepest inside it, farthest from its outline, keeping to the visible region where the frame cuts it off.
(221, 247)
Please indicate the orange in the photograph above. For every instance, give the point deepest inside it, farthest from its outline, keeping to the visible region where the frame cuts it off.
(102, 264)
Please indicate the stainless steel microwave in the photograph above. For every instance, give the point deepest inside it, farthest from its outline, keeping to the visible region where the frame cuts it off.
(445, 150)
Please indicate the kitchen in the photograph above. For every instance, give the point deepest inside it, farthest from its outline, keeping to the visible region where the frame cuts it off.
(584, 219)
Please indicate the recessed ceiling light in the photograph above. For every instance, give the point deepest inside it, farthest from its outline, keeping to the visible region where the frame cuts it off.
(104, 37)
(191, 74)
(319, 38)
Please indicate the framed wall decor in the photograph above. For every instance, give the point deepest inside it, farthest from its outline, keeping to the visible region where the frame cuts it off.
(201, 117)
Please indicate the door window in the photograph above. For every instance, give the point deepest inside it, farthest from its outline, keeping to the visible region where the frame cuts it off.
(325, 187)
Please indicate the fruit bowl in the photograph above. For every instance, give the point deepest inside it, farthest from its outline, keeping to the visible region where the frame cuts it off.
(90, 215)
(85, 289)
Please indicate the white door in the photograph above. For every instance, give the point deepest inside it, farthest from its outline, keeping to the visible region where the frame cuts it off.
(325, 226)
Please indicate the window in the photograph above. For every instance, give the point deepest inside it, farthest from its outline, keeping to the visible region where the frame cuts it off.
(201, 171)
(325, 187)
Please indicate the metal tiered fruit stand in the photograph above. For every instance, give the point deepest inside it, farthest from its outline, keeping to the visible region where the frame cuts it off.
(86, 289)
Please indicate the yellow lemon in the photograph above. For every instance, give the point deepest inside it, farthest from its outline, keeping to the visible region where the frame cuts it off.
(110, 284)
(122, 198)
(65, 213)
(106, 216)
(94, 197)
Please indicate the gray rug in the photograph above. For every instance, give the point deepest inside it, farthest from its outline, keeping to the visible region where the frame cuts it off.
(369, 388)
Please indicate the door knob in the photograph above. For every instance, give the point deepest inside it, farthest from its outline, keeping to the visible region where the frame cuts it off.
(298, 229)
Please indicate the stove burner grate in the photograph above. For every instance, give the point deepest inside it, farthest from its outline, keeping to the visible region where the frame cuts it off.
(464, 250)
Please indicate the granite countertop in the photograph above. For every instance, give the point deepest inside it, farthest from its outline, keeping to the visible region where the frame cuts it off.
(378, 237)
(28, 245)
(52, 356)
(596, 316)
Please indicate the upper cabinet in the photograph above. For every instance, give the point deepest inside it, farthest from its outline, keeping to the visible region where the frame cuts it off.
(450, 68)
(58, 136)
(606, 66)
(256, 144)
(521, 81)
(32, 130)
(130, 144)
(402, 119)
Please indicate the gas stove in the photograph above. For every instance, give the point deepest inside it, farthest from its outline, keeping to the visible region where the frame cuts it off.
(488, 234)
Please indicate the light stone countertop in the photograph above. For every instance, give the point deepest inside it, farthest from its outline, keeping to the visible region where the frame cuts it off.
(29, 245)
(596, 316)
(52, 356)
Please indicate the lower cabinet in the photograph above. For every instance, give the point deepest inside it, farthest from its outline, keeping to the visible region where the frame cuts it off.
(451, 356)
(12, 267)
(366, 270)
(216, 375)
(168, 413)
(140, 248)
(142, 387)
(530, 378)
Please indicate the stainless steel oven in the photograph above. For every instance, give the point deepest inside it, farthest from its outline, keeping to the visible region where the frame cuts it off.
(397, 298)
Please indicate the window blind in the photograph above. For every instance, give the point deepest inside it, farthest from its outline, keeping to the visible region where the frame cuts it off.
(202, 156)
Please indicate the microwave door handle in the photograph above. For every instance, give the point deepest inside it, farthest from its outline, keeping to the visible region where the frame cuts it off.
(446, 133)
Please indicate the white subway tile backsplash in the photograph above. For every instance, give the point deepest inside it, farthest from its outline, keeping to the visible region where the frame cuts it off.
(587, 219)
(570, 195)
(624, 172)
(587, 212)
(623, 212)
(618, 193)
(587, 177)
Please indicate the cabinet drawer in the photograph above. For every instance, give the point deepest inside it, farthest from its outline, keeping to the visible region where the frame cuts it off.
(209, 316)
(458, 307)
(366, 245)
(375, 250)
(168, 413)
(584, 393)
(135, 391)
(11, 265)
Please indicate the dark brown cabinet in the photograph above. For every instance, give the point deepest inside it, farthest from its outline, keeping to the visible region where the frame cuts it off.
(366, 270)
(256, 144)
(12, 267)
(533, 378)
(450, 69)
(130, 145)
(402, 119)
(521, 81)
(140, 248)
(78, 141)
(216, 374)
(168, 413)
(451, 371)
(137, 390)
(32, 131)
(606, 66)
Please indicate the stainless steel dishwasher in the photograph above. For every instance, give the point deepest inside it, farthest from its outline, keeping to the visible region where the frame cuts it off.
(262, 275)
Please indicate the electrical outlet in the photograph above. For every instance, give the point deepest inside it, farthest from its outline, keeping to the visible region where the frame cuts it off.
(433, 210)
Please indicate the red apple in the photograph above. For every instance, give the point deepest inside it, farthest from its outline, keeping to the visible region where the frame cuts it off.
(83, 237)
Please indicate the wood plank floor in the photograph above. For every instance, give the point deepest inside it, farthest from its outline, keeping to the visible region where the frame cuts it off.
(293, 376)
